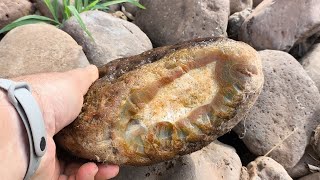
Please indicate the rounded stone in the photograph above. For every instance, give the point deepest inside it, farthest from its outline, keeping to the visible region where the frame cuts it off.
(279, 25)
(165, 102)
(10, 10)
(311, 64)
(38, 48)
(289, 102)
(112, 37)
(168, 22)
(264, 168)
(215, 161)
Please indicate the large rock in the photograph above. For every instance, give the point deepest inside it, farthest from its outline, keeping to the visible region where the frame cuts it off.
(301, 169)
(11, 10)
(216, 161)
(289, 102)
(311, 63)
(113, 37)
(239, 5)
(279, 25)
(264, 168)
(172, 21)
(39, 48)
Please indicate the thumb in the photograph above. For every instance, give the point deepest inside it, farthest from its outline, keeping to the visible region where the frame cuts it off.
(72, 87)
(60, 95)
(82, 77)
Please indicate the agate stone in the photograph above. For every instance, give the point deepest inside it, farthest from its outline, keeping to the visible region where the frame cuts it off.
(165, 102)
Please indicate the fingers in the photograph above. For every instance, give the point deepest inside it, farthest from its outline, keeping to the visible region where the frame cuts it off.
(72, 168)
(106, 171)
(90, 171)
(74, 85)
(83, 78)
(60, 95)
(87, 171)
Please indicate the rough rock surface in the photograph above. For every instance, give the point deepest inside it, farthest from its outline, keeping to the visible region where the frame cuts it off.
(239, 5)
(301, 169)
(289, 101)
(315, 176)
(311, 63)
(216, 161)
(264, 168)
(315, 140)
(267, 27)
(172, 21)
(11, 10)
(235, 21)
(113, 37)
(39, 48)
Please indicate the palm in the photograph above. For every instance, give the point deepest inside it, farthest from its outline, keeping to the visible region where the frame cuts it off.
(60, 97)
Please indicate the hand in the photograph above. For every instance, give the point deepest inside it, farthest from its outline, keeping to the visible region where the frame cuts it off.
(60, 97)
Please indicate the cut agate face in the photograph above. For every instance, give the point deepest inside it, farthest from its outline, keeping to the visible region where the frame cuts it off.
(165, 102)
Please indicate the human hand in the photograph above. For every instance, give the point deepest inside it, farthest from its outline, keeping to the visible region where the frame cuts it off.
(60, 97)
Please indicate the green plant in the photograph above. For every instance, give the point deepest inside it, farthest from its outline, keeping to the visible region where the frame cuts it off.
(67, 10)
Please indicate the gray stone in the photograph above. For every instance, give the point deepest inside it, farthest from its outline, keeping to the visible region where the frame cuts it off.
(279, 25)
(172, 21)
(301, 169)
(264, 168)
(311, 63)
(10, 10)
(315, 140)
(37, 48)
(315, 176)
(113, 37)
(235, 21)
(289, 102)
(239, 5)
(215, 162)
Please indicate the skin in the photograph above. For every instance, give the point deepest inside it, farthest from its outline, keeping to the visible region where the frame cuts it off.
(60, 97)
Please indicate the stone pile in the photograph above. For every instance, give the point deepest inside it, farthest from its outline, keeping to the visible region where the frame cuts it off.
(282, 129)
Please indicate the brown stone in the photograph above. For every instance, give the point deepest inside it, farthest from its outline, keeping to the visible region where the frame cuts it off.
(140, 113)
(10, 10)
(37, 48)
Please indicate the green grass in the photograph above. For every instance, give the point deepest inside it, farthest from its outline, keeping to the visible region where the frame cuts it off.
(68, 10)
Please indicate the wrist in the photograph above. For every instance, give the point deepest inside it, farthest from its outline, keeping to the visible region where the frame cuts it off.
(13, 141)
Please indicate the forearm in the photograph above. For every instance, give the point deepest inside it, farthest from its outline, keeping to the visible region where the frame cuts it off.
(13, 142)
